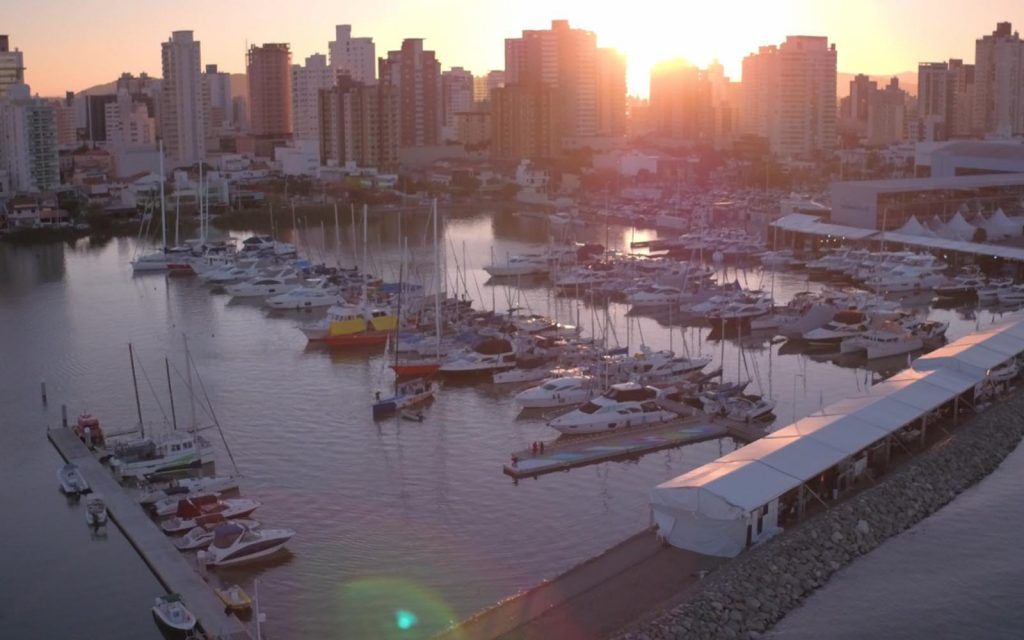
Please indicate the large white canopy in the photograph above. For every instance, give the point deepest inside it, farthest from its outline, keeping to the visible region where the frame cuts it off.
(957, 228)
(913, 227)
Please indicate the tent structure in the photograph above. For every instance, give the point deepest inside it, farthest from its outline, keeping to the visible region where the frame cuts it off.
(999, 222)
(723, 507)
(913, 227)
(957, 228)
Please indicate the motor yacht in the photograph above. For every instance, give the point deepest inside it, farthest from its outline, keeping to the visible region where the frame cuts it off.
(623, 406)
(317, 293)
(519, 265)
(490, 356)
(235, 543)
(200, 537)
(882, 342)
(558, 392)
(168, 452)
(181, 487)
(273, 284)
(843, 325)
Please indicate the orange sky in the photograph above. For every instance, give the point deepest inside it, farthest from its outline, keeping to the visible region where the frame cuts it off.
(76, 45)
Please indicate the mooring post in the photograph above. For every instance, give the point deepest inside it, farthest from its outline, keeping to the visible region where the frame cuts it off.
(64, 415)
(42, 388)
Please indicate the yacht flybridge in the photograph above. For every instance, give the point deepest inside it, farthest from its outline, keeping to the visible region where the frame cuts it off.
(623, 406)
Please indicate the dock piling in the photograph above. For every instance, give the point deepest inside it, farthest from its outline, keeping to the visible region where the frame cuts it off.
(42, 388)
(64, 415)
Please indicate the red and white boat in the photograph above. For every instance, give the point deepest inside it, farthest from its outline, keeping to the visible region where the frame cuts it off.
(199, 511)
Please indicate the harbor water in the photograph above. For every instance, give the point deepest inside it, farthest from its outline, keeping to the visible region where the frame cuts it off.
(403, 527)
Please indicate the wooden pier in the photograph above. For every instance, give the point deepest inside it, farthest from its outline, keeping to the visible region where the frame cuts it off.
(168, 564)
(618, 445)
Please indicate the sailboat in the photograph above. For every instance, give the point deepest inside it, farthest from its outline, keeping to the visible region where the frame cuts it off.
(425, 366)
(162, 260)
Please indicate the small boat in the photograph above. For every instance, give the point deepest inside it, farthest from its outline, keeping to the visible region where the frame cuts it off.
(196, 512)
(169, 505)
(408, 394)
(412, 416)
(200, 537)
(234, 543)
(183, 486)
(516, 376)
(88, 430)
(95, 511)
(71, 480)
(234, 598)
(170, 612)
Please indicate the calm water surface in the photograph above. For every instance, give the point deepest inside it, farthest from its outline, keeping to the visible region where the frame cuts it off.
(396, 520)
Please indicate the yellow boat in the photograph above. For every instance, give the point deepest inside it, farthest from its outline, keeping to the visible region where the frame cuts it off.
(234, 598)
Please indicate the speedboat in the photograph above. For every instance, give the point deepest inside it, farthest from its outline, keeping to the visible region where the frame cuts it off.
(71, 480)
(181, 487)
(740, 407)
(234, 543)
(623, 406)
(169, 505)
(234, 598)
(192, 513)
(654, 296)
(170, 612)
(557, 392)
(201, 536)
(95, 511)
(169, 452)
(844, 325)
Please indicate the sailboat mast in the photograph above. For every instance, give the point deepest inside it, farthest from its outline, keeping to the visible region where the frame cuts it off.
(365, 240)
(337, 237)
(200, 200)
(163, 212)
(437, 290)
(177, 217)
(170, 393)
(135, 384)
(191, 392)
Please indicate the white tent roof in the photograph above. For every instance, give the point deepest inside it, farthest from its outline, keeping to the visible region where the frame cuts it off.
(913, 227)
(723, 490)
(1005, 225)
(957, 228)
(803, 223)
(975, 354)
(792, 454)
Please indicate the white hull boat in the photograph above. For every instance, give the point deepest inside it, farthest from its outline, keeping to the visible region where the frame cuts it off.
(197, 515)
(181, 487)
(71, 480)
(170, 612)
(625, 406)
(95, 511)
(201, 537)
(235, 544)
(881, 343)
(557, 392)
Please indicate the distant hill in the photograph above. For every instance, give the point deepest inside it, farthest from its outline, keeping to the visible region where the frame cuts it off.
(239, 87)
(908, 81)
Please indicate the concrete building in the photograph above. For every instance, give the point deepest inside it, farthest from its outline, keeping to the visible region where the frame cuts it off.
(96, 116)
(456, 97)
(564, 59)
(473, 129)
(887, 115)
(611, 93)
(218, 87)
(725, 97)
(67, 130)
(945, 100)
(999, 82)
(525, 122)
(872, 204)
(12, 66)
(414, 74)
(184, 101)
(483, 86)
(680, 102)
(269, 71)
(970, 157)
(359, 125)
(790, 96)
(28, 141)
(307, 82)
(354, 57)
(128, 122)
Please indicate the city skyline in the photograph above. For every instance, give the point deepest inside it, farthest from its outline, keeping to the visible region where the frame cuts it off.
(873, 39)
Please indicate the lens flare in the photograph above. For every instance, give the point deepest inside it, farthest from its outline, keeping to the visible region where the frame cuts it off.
(391, 608)
(405, 619)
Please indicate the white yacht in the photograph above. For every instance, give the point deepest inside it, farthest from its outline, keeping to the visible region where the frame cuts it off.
(558, 392)
(624, 406)
(1013, 294)
(201, 537)
(882, 342)
(990, 292)
(843, 325)
(518, 265)
(319, 293)
(739, 407)
(265, 285)
(654, 296)
(488, 357)
(184, 486)
(234, 543)
(168, 452)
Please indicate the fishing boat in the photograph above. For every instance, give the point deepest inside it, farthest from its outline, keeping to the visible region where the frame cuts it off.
(95, 511)
(234, 598)
(170, 612)
(192, 513)
(625, 405)
(71, 480)
(234, 543)
(201, 536)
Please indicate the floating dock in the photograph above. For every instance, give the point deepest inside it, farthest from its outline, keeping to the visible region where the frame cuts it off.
(619, 445)
(168, 564)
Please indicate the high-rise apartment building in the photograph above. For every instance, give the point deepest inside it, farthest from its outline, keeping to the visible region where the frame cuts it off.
(790, 96)
(67, 130)
(128, 122)
(269, 71)
(184, 103)
(307, 82)
(354, 57)
(945, 99)
(12, 66)
(525, 122)
(887, 115)
(218, 87)
(680, 101)
(28, 141)
(456, 97)
(414, 74)
(999, 82)
(484, 85)
(359, 125)
(611, 93)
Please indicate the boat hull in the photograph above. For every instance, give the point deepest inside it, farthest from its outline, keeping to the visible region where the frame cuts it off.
(365, 338)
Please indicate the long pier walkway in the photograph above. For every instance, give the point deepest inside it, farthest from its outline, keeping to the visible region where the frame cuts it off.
(578, 452)
(167, 563)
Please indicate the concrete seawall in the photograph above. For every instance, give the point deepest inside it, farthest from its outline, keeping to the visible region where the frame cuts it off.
(748, 594)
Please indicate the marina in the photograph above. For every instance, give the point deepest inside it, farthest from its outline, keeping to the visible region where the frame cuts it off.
(171, 568)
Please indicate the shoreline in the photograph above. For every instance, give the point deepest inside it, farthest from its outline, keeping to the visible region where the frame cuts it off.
(755, 590)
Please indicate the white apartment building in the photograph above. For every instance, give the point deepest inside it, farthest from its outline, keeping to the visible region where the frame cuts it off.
(456, 97)
(184, 103)
(28, 141)
(307, 81)
(12, 66)
(999, 82)
(790, 96)
(218, 87)
(128, 123)
(356, 57)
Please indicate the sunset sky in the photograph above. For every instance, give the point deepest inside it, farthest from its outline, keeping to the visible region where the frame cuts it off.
(74, 45)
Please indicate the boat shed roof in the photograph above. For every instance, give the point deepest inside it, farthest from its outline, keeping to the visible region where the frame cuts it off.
(961, 246)
(803, 223)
